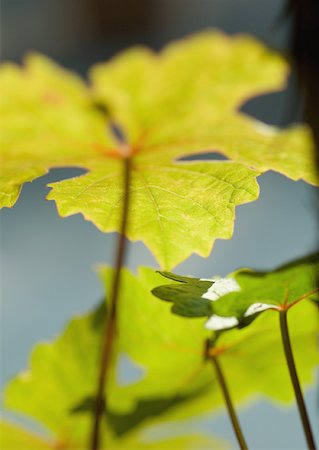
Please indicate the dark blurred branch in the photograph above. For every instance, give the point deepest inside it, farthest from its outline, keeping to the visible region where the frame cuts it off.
(304, 48)
(122, 17)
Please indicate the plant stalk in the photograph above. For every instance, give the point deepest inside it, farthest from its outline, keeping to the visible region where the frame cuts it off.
(229, 404)
(295, 380)
(110, 327)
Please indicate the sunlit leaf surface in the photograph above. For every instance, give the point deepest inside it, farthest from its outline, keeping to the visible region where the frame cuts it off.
(174, 381)
(59, 387)
(155, 108)
(13, 437)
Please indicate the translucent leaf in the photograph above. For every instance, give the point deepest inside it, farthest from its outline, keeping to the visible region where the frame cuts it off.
(62, 375)
(157, 108)
(194, 201)
(165, 346)
(58, 388)
(13, 437)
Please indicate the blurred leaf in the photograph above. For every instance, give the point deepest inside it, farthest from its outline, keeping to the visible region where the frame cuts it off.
(158, 108)
(188, 442)
(61, 374)
(175, 384)
(172, 350)
(253, 358)
(58, 388)
(180, 278)
(13, 437)
(164, 346)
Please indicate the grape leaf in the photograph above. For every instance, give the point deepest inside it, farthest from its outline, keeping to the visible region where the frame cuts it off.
(157, 108)
(58, 387)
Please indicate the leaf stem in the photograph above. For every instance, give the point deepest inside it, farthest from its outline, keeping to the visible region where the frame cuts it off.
(229, 404)
(110, 327)
(295, 380)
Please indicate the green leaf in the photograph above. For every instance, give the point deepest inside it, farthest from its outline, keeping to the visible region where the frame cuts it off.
(164, 346)
(182, 102)
(188, 442)
(187, 299)
(200, 83)
(176, 209)
(180, 278)
(62, 373)
(261, 291)
(195, 297)
(240, 298)
(257, 351)
(13, 437)
(185, 296)
(58, 387)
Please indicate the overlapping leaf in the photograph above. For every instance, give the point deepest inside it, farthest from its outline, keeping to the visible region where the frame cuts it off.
(164, 346)
(283, 288)
(58, 392)
(14, 437)
(58, 388)
(180, 102)
(187, 297)
(256, 293)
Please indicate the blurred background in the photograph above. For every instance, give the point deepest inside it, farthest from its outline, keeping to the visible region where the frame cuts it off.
(48, 263)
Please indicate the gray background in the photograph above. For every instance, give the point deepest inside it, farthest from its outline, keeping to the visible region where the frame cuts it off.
(47, 264)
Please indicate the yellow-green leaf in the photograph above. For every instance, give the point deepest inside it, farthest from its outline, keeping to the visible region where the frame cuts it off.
(170, 347)
(175, 209)
(57, 388)
(242, 295)
(282, 288)
(13, 437)
(182, 101)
